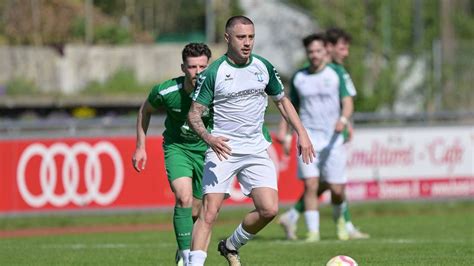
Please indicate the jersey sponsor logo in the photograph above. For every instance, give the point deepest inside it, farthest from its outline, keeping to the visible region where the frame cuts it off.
(245, 93)
(72, 170)
(259, 76)
(228, 77)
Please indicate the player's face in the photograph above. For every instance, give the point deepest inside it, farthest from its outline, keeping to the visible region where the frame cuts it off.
(316, 53)
(240, 42)
(340, 51)
(192, 66)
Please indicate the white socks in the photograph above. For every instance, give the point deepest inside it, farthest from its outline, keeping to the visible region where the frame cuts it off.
(312, 220)
(197, 258)
(239, 238)
(350, 227)
(185, 255)
(293, 215)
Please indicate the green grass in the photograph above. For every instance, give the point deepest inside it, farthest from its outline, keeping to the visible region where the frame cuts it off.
(421, 233)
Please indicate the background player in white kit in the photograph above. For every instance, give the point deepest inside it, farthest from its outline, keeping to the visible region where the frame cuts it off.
(338, 42)
(319, 91)
(235, 88)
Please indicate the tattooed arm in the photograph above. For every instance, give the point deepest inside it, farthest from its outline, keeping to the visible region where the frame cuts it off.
(218, 144)
(195, 121)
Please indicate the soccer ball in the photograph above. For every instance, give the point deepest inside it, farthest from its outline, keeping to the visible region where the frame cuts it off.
(342, 260)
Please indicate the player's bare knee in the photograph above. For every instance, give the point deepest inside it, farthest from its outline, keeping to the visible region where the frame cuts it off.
(268, 213)
(210, 216)
(311, 185)
(184, 201)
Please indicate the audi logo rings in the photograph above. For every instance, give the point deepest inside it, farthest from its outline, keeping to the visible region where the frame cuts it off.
(48, 174)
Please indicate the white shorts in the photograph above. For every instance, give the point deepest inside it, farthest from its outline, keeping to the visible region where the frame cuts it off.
(252, 171)
(330, 162)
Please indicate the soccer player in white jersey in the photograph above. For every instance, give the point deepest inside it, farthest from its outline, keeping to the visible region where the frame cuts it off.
(337, 46)
(235, 88)
(319, 91)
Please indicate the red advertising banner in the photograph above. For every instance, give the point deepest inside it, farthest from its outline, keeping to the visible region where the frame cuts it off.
(64, 174)
(96, 173)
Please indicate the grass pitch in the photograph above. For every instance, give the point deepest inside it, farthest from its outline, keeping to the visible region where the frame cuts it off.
(407, 233)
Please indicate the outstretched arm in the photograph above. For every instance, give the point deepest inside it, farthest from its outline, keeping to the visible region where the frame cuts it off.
(305, 147)
(284, 136)
(218, 144)
(143, 121)
(346, 113)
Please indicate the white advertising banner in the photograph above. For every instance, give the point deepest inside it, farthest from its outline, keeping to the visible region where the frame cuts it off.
(411, 162)
(394, 153)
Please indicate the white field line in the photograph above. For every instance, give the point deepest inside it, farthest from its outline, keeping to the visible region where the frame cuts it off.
(373, 241)
(77, 246)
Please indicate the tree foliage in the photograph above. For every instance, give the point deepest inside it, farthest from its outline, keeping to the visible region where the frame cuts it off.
(383, 30)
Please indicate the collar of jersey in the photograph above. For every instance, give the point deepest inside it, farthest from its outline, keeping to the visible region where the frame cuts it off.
(308, 70)
(238, 66)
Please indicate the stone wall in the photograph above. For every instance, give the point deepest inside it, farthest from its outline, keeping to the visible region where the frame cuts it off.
(81, 64)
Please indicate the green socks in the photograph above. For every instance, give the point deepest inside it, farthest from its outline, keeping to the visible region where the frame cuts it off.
(183, 227)
(345, 212)
(299, 206)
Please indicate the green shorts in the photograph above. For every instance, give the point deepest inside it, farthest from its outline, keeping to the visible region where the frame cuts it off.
(180, 162)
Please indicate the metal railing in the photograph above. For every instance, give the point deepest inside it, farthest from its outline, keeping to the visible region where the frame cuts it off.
(116, 126)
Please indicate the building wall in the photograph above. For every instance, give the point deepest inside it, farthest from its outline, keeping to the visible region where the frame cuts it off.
(81, 64)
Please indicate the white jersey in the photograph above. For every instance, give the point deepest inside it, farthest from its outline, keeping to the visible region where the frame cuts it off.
(318, 97)
(237, 98)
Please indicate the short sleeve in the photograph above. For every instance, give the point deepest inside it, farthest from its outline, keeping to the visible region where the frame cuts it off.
(294, 97)
(275, 87)
(349, 88)
(343, 92)
(155, 98)
(204, 91)
(346, 86)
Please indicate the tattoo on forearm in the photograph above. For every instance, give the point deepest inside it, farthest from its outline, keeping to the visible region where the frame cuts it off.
(195, 120)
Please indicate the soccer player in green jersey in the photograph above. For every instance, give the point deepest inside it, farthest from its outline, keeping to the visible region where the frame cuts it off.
(337, 47)
(183, 149)
(235, 88)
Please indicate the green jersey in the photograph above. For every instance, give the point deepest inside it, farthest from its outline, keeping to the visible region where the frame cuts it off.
(172, 96)
(350, 88)
(346, 78)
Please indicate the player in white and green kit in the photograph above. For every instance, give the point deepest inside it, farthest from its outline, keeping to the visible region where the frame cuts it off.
(184, 150)
(337, 46)
(235, 88)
